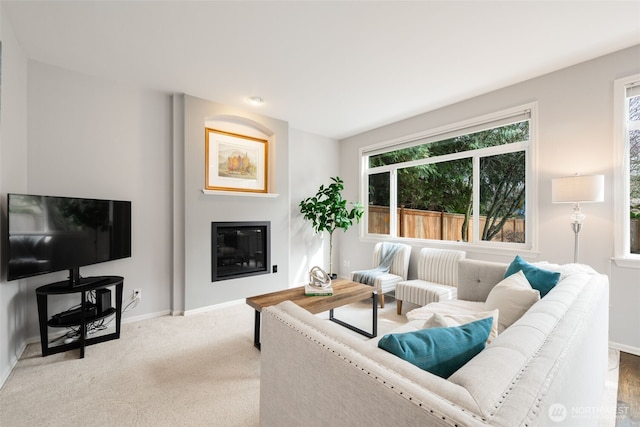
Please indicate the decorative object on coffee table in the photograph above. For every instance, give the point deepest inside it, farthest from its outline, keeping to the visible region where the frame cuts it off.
(327, 211)
(319, 283)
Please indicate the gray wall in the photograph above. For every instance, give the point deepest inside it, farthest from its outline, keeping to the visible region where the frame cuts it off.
(13, 163)
(94, 138)
(201, 209)
(66, 133)
(575, 134)
(313, 163)
(71, 134)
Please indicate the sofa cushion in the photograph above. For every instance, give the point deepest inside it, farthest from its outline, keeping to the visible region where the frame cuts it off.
(476, 278)
(540, 279)
(439, 320)
(456, 306)
(513, 296)
(441, 351)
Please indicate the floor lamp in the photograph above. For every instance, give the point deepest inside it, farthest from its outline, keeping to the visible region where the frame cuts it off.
(577, 189)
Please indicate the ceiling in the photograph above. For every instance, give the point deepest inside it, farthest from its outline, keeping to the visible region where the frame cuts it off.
(333, 68)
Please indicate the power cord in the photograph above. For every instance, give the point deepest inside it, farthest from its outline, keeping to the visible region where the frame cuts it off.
(73, 332)
(128, 306)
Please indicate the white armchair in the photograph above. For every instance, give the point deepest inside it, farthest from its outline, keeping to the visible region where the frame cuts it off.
(398, 269)
(437, 278)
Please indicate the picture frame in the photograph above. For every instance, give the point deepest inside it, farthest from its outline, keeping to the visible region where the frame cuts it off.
(235, 162)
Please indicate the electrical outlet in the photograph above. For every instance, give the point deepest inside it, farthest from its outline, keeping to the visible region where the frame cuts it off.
(137, 294)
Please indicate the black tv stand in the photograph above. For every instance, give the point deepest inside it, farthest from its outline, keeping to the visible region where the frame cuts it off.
(75, 280)
(84, 315)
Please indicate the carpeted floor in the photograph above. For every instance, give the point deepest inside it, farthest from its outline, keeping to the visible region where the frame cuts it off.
(199, 370)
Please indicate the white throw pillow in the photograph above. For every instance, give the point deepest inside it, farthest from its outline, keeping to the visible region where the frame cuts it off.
(513, 297)
(448, 320)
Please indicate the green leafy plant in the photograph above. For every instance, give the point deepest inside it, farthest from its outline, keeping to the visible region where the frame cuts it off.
(328, 211)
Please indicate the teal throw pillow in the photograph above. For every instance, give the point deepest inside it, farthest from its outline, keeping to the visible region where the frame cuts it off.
(542, 280)
(441, 351)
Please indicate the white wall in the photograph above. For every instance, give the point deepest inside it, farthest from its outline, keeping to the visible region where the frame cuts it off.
(13, 161)
(313, 163)
(202, 209)
(89, 137)
(575, 128)
(97, 138)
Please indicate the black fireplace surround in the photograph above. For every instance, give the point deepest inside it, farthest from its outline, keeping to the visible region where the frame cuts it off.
(239, 249)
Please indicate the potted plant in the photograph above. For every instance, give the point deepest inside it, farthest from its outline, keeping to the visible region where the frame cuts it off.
(328, 211)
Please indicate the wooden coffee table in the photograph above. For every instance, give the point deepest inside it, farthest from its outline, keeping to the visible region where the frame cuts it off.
(344, 292)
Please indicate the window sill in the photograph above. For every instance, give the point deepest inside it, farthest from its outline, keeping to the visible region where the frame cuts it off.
(627, 262)
(504, 254)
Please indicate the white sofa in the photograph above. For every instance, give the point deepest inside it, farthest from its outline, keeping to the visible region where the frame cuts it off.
(548, 368)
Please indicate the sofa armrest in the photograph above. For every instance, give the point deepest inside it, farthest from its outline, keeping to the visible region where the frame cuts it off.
(477, 278)
(315, 373)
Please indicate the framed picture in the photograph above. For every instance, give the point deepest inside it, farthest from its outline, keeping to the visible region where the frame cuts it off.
(235, 162)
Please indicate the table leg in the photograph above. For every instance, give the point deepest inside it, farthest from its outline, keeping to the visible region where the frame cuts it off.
(374, 331)
(256, 330)
(375, 314)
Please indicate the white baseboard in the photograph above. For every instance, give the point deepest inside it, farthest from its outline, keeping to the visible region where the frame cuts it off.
(213, 307)
(145, 316)
(626, 348)
(12, 364)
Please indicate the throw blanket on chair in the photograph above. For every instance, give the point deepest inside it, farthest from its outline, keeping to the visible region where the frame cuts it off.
(388, 253)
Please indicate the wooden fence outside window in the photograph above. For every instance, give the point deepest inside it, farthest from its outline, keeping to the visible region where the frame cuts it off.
(420, 224)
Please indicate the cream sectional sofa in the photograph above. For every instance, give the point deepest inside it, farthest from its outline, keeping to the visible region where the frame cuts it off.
(548, 368)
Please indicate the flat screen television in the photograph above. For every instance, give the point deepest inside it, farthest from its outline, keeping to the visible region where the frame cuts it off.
(48, 234)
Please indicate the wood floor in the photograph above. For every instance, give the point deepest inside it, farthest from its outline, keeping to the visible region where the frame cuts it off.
(628, 391)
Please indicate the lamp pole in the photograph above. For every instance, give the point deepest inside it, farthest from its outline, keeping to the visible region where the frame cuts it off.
(577, 217)
(576, 189)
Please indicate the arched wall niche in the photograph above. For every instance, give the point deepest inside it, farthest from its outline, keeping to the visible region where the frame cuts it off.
(240, 125)
(248, 127)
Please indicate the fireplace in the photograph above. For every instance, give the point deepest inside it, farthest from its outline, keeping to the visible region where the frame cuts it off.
(239, 249)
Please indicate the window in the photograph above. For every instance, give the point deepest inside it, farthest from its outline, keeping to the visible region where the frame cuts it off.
(463, 183)
(627, 170)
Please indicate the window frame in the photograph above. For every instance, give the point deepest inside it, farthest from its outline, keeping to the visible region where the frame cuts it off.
(448, 131)
(621, 174)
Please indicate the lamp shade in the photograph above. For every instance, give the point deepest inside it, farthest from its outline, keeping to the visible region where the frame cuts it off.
(578, 189)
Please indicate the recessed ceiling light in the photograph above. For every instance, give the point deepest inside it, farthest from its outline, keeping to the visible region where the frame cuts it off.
(255, 100)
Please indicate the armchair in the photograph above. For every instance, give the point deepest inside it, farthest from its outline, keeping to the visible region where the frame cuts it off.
(385, 281)
(437, 278)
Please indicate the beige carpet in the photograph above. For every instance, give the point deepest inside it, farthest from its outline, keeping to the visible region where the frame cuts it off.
(199, 370)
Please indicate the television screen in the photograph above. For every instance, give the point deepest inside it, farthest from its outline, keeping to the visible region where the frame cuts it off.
(48, 234)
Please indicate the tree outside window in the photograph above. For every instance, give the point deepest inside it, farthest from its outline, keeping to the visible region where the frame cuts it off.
(633, 108)
(435, 184)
